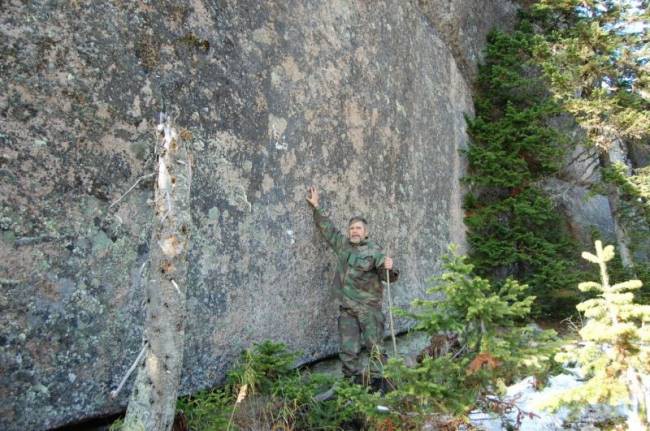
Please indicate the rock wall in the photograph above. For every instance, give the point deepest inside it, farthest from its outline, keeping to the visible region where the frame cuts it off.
(464, 24)
(585, 212)
(363, 99)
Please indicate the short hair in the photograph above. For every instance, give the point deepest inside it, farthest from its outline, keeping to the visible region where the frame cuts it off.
(357, 218)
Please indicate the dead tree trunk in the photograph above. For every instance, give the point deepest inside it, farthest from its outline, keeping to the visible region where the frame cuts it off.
(622, 238)
(153, 400)
(617, 153)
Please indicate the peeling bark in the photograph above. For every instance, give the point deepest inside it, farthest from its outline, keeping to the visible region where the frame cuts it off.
(153, 400)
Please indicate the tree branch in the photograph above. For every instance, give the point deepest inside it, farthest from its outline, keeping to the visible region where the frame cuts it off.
(144, 177)
(128, 373)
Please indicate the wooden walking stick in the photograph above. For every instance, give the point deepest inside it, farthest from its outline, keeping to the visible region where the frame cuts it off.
(390, 312)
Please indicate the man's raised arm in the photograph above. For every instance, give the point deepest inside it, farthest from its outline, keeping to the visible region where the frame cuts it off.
(332, 235)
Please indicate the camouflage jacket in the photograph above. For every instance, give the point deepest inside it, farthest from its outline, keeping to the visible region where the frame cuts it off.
(359, 269)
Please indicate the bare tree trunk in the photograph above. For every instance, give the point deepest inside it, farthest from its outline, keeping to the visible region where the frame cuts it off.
(618, 153)
(153, 400)
(622, 238)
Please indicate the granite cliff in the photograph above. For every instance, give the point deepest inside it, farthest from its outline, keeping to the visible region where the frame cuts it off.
(365, 99)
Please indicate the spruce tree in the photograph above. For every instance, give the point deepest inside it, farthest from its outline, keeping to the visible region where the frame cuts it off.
(594, 55)
(614, 350)
(585, 58)
(514, 229)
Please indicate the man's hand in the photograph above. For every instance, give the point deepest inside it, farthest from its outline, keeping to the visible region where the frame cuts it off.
(312, 196)
(388, 263)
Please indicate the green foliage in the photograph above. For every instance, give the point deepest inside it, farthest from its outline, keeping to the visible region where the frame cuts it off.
(259, 370)
(117, 425)
(435, 385)
(515, 149)
(614, 352)
(596, 66)
(523, 235)
(493, 348)
(566, 57)
(508, 74)
(269, 386)
(514, 229)
(263, 364)
(264, 390)
(595, 61)
(634, 213)
(277, 395)
(486, 318)
(634, 189)
(207, 410)
(331, 414)
(469, 305)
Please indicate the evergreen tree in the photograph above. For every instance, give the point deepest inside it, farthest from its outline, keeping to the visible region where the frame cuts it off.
(513, 227)
(479, 345)
(614, 351)
(586, 58)
(596, 60)
(595, 57)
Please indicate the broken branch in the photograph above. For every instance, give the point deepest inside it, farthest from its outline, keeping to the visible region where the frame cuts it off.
(144, 177)
(128, 373)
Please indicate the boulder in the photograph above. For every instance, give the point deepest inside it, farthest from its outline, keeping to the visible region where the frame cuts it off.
(365, 100)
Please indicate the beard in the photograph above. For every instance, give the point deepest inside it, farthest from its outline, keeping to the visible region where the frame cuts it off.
(355, 239)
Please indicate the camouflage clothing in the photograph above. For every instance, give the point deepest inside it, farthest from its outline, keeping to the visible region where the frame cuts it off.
(359, 272)
(363, 326)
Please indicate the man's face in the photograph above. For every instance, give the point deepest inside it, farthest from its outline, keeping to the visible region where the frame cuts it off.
(357, 232)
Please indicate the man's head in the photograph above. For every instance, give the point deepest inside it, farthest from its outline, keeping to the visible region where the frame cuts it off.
(357, 229)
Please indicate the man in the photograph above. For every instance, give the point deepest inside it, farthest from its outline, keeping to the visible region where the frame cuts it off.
(361, 266)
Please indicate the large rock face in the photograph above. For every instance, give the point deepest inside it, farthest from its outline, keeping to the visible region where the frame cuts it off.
(464, 24)
(363, 99)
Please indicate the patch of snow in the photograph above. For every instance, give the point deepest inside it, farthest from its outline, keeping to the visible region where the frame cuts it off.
(528, 399)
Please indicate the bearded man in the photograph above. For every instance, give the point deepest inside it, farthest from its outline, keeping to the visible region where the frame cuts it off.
(361, 267)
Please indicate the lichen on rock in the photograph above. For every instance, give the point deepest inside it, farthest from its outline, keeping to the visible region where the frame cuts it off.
(363, 99)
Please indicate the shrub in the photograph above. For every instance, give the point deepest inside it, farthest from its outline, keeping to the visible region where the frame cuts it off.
(614, 350)
(492, 346)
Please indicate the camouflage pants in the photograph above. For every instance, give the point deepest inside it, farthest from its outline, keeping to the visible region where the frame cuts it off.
(357, 328)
